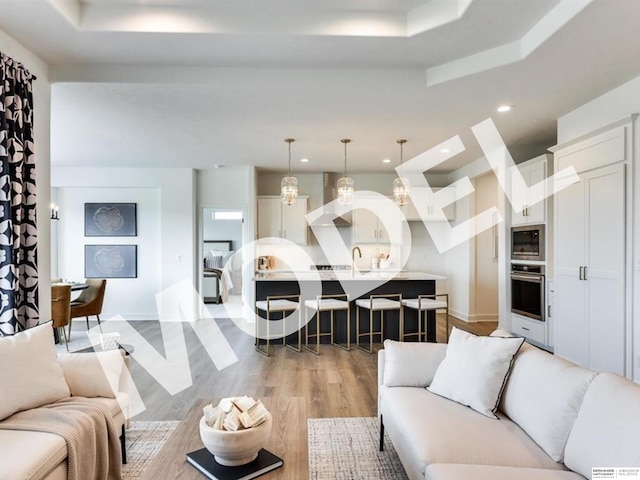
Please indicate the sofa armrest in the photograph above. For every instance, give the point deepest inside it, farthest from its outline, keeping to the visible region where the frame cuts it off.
(381, 359)
(406, 364)
(100, 374)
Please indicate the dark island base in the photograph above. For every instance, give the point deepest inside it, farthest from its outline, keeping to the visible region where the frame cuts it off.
(408, 289)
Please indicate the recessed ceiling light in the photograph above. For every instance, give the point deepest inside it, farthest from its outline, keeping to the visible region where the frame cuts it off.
(445, 150)
(386, 160)
(505, 108)
(304, 160)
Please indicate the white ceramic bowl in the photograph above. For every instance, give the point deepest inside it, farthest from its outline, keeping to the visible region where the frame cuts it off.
(235, 448)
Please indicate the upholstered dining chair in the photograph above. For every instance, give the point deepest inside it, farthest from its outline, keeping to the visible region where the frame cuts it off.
(89, 302)
(61, 308)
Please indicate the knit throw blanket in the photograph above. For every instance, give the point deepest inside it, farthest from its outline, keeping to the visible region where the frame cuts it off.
(93, 449)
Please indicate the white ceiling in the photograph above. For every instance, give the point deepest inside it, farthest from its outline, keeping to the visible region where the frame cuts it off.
(202, 82)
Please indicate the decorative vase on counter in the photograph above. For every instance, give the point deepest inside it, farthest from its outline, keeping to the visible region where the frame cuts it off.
(384, 264)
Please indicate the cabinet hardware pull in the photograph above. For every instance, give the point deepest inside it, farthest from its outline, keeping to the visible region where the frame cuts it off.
(580, 275)
(527, 329)
(548, 310)
(585, 273)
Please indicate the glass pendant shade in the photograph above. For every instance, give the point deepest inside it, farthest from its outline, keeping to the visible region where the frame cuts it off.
(346, 185)
(289, 184)
(289, 190)
(401, 191)
(346, 189)
(401, 184)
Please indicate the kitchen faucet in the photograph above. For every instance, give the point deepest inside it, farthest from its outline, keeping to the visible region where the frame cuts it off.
(353, 259)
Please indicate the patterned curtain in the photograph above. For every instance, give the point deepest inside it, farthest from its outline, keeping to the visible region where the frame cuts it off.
(18, 264)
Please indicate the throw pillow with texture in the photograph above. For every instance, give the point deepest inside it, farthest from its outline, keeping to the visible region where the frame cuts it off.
(93, 374)
(30, 376)
(475, 369)
(421, 358)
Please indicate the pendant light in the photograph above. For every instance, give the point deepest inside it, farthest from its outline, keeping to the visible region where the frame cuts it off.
(345, 184)
(289, 184)
(401, 184)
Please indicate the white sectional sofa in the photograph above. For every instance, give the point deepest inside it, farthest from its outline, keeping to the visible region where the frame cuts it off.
(34, 377)
(556, 420)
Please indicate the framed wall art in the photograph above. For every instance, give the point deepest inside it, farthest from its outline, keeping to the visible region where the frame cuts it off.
(111, 261)
(110, 220)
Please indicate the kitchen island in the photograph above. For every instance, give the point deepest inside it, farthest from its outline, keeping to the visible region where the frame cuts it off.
(308, 284)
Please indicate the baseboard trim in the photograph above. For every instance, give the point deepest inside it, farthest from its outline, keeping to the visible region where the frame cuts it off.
(463, 317)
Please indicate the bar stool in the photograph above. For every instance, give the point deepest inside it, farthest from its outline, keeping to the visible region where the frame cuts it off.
(378, 303)
(278, 304)
(424, 304)
(327, 303)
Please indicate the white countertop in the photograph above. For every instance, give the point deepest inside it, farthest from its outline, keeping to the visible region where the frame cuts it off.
(345, 275)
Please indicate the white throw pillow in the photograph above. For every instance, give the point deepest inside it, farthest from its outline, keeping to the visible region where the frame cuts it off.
(408, 364)
(30, 376)
(543, 396)
(475, 370)
(93, 374)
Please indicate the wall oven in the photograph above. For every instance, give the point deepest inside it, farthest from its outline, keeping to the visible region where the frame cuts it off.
(527, 291)
(527, 242)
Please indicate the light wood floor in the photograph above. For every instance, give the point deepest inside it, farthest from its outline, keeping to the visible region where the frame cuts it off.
(335, 383)
(293, 386)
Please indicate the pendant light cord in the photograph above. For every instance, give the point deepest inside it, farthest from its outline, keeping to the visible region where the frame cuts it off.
(289, 141)
(402, 141)
(345, 159)
(345, 141)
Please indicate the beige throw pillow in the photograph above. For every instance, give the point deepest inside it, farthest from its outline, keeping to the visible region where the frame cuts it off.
(93, 374)
(30, 375)
(475, 369)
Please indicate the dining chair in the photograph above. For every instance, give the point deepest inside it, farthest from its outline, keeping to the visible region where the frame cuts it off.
(89, 302)
(61, 309)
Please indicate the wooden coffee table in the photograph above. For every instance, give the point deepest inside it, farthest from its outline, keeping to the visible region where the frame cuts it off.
(171, 463)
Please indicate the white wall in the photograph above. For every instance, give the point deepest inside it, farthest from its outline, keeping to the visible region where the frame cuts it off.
(460, 265)
(606, 109)
(166, 221)
(42, 121)
(133, 298)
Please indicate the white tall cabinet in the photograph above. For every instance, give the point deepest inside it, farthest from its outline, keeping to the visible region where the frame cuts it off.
(590, 253)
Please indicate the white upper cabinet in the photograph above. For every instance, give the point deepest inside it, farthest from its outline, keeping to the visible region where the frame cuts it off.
(280, 221)
(413, 215)
(368, 228)
(533, 172)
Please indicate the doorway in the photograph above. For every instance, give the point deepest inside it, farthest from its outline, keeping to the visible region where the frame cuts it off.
(222, 235)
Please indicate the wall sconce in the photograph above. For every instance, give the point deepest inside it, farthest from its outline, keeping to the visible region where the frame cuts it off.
(54, 212)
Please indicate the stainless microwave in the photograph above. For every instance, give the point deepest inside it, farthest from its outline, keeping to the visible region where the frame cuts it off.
(527, 242)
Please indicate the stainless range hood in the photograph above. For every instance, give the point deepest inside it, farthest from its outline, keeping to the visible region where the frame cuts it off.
(329, 194)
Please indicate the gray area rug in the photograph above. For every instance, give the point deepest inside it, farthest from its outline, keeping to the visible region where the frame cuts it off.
(347, 448)
(144, 441)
